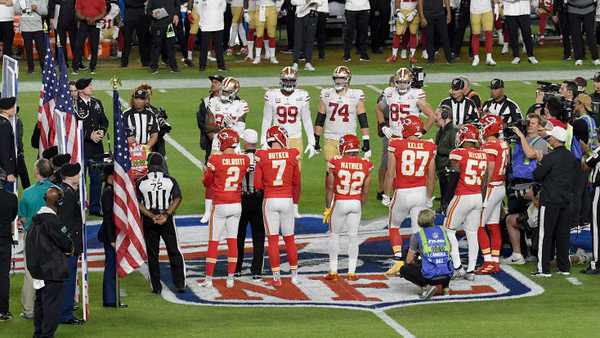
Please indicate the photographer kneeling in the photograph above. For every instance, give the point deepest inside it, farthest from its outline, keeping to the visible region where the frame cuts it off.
(528, 150)
(435, 266)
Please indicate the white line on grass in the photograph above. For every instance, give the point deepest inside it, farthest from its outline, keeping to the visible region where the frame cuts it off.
(476, 84)
(319, 87)
(574, 281)
(375, 89)
(162, 90)
(393, 324)
(526, 82)
(171, 141)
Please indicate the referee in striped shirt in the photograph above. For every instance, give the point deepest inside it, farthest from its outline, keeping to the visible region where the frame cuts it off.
(251, 213)
(141, 121)
(160, 197)
(463, 109)
(499, 104)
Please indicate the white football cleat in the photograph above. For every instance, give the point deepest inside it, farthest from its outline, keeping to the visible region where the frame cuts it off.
(533, 60)
(274, 60)
(596, 62)
(229, 282)
(295, 280)
(256, 60)
(504, 49)
(207, 283)
(204, 219)
(475, 61)
(516, 61)
(490, 61)
(295, 66)
(309, 67)
(578, 62)
(403, 54)
(424, 54)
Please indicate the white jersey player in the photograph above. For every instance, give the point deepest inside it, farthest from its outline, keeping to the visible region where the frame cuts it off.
(401, 101)
(339, 111)
(227, 110)
(289, 107)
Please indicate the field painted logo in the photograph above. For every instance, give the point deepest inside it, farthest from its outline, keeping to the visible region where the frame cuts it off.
(372, 291)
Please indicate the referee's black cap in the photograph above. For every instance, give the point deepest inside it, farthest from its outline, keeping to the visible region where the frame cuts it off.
(496, 84)
(70, 170)
(140, 94)
(83, 83)
(457, 84)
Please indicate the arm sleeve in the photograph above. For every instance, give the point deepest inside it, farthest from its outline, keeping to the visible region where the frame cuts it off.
(258, 173)
(201, 117)
(209, 174)
(103, 123)
(542, 169)
(580, 130)
(60, 239)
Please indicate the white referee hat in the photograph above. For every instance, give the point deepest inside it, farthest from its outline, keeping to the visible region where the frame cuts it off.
(250, 136)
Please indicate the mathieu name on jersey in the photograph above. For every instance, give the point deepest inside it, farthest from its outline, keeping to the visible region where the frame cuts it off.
(349, 174)
(472, 163)
(224, 176)
(413, 158)
(278, 173)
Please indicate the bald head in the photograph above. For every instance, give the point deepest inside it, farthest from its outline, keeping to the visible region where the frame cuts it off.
(53, 196)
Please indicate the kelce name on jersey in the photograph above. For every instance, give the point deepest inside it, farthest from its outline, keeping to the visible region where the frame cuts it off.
(351, 165)
(233, 161)
(282, 155)
(478, 156)
(412, 145)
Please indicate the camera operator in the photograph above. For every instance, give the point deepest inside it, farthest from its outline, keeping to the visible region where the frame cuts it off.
(499, 104)
(529, 149)
(445, 140)
(463, 110)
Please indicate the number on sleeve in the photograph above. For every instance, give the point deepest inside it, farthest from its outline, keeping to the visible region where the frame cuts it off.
(280, 166)
(233, 176)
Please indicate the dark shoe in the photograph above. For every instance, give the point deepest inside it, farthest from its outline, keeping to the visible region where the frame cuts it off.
(541, 274)
(154, 70)
(365, 58)
(321, 56)
(174, 70)
(158, 292)
(237, 274)
(380, 195)
(347, 59)
(73, 321)
(202, 69)
(82, 67)
(5, 317)
(257, 278)
(222, 69)
(188, 63)
(92, 71)
(124, 65)
(30, 70)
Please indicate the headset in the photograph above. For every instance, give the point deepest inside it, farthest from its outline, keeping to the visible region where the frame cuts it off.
(445, 111)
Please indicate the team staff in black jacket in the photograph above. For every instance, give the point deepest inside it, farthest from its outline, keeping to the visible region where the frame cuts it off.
(164, 17)
(49, 246)
(90, 110)
(555, 174)
(8, 213)
(8, 158)
(136, 21)
(70, 217)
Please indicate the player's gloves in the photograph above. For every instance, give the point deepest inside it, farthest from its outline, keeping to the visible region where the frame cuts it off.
(317, 145)
(411, 16)
(366, 148)
(228, 121)
(400, 17)
(387, 132)
(386, 201)
(327, 215)
(310, 150)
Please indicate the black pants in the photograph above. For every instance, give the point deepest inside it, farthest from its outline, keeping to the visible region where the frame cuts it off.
(463, 20)
(596, 228)
(47, 310)
(576, 22)
(152, 235)
(443, 179)
(136, 21)
(5, 256)
(251, 213)
(452, 29)
(563, 24)
(290, 24)
(160, 41)
(40, 46)
(304, 38)
(413, 274)
(85, 32)
(7, 36)
(514, 24)
(228, 19)
(379, 22)
(322, 34)
(217, 37)
(67, 30)
(437, 27)
(554, 234)
(22, 172)
(357, 23)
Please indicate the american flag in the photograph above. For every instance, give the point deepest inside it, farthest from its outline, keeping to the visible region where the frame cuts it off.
(48, 94)
(130, 245)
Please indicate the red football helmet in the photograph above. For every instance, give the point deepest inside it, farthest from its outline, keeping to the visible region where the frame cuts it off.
(277, 134)
(412, 126)
(228, 138)
(467, 133)
(491, 125)
(349, 144)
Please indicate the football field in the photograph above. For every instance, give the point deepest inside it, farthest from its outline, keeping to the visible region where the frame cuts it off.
(565, 308)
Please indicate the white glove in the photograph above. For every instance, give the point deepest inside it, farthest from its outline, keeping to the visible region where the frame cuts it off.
(246, 16)
(386, 201)
(311, 151)
(400, 17)
(387, 131)
(429, 203)
(368, 155)
(264, 146)
(228, 121)
(411, 16)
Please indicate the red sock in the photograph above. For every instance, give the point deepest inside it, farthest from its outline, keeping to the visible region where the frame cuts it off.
(232, 253)
(396, 41)
(412, 41)
(251, 35)
(121, 41)
(273, 251)
(498, 24)
(489, 42)
(496, 238)
(292, 251)
(543, 20)
(272, 44)
(395, 240)
(405, 37)
(484, 240)
(211, 257)
(191, 42)
(475, 43)
(259, 42)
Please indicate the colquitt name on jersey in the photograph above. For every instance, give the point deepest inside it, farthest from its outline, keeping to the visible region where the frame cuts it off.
(233, 161)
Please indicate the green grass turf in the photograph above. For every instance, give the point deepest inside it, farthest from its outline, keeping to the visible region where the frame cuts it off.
(563, 310)
(550, 57)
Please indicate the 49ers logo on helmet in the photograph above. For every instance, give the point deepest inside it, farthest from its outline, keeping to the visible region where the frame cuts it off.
(228, 138)
(277, 134)
(349, 143)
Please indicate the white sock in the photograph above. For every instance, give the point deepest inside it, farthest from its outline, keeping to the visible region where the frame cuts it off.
(242, 31)
(271, 52)
(276, 275)
(334, 250)
(207, 207)
(473, 249)
(352, 252)
(258, 51)
(454, 248)
(190, 55)
(294, 272)
(251, 49)
(412, 52)
(488, 56)
(233, 35)
(394, 51)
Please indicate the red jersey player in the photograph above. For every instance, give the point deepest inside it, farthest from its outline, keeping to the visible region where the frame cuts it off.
(346, 190)
(467, 182)
(498, 156)
(278, 175)
(410, 180)
(224, 174)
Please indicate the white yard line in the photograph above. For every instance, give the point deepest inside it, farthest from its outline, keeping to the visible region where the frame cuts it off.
(401, 330)
(574, 281)
(186, 153)
(526, 82)
(476, 84)
(319, 87)
(162, 90)
(375, 89)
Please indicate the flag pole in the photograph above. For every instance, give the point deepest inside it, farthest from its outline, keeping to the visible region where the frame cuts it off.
(116, 83)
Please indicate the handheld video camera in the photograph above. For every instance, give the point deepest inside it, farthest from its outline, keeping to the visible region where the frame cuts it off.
(418, 74)
(510, 135)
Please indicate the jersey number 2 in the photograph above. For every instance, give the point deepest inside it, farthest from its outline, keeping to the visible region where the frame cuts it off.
(233, 176)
